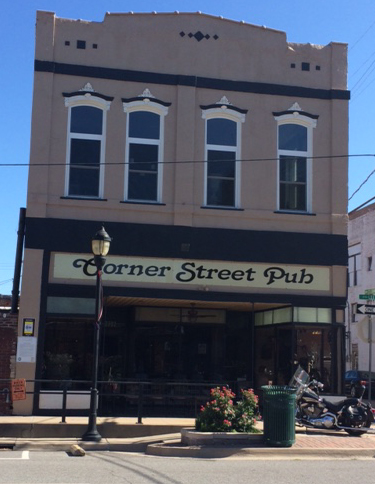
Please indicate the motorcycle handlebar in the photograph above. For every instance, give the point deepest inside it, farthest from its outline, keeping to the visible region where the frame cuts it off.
(317, 384)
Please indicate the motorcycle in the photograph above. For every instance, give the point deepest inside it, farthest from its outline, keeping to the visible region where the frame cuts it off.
(350, 414)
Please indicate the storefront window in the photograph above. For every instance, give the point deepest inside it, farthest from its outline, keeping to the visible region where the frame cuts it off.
(238, 364)
(265, 350)
(179, 352)
(67, 352)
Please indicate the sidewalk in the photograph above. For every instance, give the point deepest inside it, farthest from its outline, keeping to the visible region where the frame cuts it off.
(161, 436)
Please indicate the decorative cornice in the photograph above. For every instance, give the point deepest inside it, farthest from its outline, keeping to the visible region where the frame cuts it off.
(224, 104)
(87, 87)
(295, 111)
(87, 91)
(146, 93)
(146, 97)
(295, 107)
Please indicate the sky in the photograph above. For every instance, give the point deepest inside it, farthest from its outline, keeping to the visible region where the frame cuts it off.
(304, 21)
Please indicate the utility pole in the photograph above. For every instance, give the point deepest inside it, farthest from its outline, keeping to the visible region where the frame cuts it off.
(370, 354)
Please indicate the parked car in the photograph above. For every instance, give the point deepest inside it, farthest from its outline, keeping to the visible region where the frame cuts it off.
(354, 379)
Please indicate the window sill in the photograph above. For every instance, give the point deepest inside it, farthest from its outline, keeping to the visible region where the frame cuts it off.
(292, 212)
(85, 198)
(139, 202)
(209, 207)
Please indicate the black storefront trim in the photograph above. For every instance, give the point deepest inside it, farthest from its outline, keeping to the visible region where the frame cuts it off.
(193, 81)
(41, 328)
(166, 241)
(66, 290)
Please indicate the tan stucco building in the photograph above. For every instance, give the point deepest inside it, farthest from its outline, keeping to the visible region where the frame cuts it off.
(215, 154)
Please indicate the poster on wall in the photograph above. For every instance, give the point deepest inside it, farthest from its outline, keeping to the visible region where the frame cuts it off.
(28, 326)
(18, 389)
(26, 349)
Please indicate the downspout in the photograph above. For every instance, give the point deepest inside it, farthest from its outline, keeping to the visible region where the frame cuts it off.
(18, 262)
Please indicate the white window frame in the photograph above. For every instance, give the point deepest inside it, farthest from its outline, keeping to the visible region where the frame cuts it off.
(297, 118)
(355, 265)
(87, 99)
(151, 107)
(239, 118)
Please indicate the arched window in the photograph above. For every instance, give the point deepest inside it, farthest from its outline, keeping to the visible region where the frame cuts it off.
(222, 154)
(294, 141)
(144, 148)
(86, 143)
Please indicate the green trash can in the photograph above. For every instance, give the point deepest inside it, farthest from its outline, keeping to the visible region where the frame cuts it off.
(279, 406)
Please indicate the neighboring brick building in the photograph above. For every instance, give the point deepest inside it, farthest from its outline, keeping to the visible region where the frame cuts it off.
(8, 347)
(209, 149)
(361, 235)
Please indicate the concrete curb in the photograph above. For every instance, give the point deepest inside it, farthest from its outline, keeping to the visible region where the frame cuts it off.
(72, 431)
(205, 452)
(134, 445)
(171, 446)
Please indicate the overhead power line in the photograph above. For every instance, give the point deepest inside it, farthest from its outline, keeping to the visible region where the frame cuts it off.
(122, 163)
(361, 185)
(361, 36)
(361, 155)
(5, 282)
(363, 204)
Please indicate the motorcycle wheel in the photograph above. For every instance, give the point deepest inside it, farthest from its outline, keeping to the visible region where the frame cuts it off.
(351, 419)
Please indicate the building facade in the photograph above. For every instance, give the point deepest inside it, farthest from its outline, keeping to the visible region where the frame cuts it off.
(215, 154)
(361, 284)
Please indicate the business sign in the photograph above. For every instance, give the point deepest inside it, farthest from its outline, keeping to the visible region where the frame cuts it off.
(365, 309)
(185, 272)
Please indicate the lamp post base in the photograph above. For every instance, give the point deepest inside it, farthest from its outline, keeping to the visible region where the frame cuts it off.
(91, 436)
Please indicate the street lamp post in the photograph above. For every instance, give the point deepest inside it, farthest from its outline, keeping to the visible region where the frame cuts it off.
(100, 247)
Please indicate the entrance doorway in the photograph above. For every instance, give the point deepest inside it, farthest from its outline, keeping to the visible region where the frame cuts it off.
(280, 348)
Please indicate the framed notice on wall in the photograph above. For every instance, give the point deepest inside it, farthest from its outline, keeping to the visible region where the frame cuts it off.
(26, 349)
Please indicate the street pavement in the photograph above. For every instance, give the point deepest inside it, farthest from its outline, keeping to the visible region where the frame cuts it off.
(161, 436)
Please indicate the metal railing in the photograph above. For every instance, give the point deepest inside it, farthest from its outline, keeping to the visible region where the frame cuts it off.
(140, 398)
